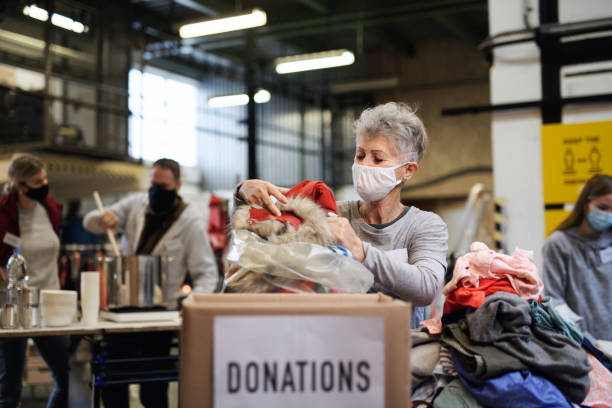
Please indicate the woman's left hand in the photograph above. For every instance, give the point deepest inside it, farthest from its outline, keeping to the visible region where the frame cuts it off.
(345, 235)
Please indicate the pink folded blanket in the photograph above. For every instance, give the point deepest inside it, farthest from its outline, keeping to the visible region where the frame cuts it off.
(482, 262)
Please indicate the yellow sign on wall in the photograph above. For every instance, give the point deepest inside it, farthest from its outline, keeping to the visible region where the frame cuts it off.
(572, 154)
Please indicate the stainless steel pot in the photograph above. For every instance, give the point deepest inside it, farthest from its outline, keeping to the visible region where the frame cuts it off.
(134, 281)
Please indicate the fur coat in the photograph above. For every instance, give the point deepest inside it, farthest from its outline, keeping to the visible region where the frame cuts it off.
(303, 219)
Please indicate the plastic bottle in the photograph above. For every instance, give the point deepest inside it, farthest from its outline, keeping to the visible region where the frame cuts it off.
(16, 270)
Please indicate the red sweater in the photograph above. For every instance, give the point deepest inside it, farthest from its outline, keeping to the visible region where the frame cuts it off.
(9, 221)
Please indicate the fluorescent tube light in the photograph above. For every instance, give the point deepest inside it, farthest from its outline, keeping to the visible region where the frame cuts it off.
(228, 100)
(254, 18)
(224, 101)
(67, 23)
(36, 12)
(57, 20)
(318, 60)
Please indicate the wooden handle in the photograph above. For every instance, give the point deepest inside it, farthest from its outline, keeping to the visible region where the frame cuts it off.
(109, 233)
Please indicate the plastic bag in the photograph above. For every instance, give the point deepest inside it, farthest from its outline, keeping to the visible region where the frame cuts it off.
(256, 265)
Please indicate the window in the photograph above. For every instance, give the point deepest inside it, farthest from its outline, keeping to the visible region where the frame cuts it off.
(164, 110)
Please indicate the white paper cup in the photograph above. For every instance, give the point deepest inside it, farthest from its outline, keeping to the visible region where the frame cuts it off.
(90, 297)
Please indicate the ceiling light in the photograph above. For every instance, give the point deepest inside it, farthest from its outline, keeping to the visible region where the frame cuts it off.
(254, 18)
(36, 12)
(317, 60)
(57, 20)
(224, 101)
(262, 96)
(67, 23)
(228, 100)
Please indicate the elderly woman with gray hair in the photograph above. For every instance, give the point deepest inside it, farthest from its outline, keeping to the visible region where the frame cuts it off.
(404, 247)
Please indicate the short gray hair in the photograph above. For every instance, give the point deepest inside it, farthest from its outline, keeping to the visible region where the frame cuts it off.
(397, 121)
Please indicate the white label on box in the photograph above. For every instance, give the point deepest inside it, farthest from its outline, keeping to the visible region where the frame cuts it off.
(299, 361)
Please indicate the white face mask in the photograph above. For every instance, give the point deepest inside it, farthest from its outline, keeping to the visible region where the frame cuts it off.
(374, 183)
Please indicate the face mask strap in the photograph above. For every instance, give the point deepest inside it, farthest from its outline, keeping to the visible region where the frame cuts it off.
(401, 180)
(403, 164)
(377, 167)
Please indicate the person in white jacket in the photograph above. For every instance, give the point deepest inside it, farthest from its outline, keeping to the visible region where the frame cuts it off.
(142, 218)
(158, 223)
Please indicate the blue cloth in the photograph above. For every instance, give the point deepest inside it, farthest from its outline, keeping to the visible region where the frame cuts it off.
(545, 315)
(418, 315)
(588, 346)
(515, 389)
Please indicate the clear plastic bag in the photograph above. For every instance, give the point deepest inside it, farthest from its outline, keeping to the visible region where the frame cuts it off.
(269, 267)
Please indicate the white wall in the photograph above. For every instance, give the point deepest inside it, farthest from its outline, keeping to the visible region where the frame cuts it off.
(572, 10)
(516, 141)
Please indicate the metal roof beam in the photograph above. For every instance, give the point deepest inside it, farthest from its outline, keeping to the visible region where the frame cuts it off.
(454, 27)
(352, 20)
(393, 39)
(317, 5)
(197, 6)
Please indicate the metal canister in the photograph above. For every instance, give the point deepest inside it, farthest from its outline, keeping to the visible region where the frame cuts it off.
(9, 318)
(135, 281)
(30, 307)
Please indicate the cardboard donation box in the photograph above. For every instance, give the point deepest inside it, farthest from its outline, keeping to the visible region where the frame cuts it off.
(310, 350)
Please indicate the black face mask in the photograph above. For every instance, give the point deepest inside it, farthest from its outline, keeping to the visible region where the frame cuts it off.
(160, 199)
(39, 194)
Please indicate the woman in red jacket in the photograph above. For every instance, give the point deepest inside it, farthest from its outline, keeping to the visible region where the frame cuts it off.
(30, 220)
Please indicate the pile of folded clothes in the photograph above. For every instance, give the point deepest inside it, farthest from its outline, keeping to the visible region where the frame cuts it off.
(501, 344)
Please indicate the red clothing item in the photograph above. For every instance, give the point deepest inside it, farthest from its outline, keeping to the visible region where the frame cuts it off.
(474, 297)
(217, 224)
(259, 214)
(305, 286)
(9, 220)
(317, 191)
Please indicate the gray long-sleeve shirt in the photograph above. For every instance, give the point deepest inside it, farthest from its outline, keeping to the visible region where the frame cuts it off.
(407, 257)
(576, 273)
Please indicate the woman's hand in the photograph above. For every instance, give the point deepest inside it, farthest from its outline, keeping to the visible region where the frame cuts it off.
(345, 235)
(259, 192)
(108, 220)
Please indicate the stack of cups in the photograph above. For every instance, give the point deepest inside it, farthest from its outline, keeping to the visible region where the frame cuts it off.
(57, 307)
(90, 297)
